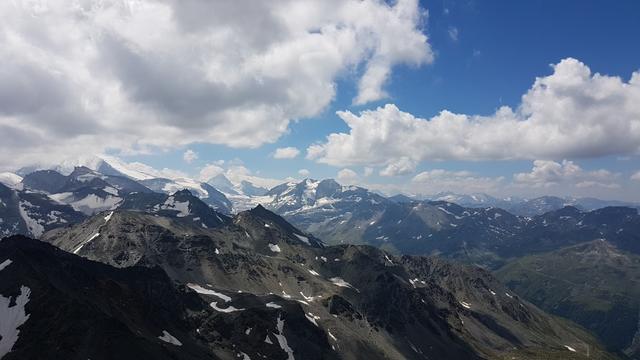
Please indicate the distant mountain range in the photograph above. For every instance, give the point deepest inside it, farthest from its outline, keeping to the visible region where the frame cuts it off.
(124, 216)
(257, 286)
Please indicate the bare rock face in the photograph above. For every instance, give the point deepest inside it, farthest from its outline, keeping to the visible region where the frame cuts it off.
(279, 292)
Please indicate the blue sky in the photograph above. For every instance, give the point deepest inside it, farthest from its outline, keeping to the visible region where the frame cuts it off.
(487, 54)
(477, 56)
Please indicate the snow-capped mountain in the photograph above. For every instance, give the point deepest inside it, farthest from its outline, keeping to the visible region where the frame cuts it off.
(32, 213)
(84, 189)
(11, 180)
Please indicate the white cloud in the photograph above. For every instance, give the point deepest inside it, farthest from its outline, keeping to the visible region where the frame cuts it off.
(189, 156)
(286, 153)
(135, 77)
(304, 172)
(636, 176)
(401, 166)
(453, 33)
(571, 113)
(238, 173)
(368, 171)
(465, 182)
(547, 173)
(347, 176)
(209, 171)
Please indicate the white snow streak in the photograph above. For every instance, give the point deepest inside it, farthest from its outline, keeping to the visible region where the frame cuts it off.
(5, 264)
(283, 340)
(168, 338)
(229, 309)
(200, 290)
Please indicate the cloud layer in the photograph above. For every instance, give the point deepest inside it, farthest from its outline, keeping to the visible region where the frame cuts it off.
(137, 76)
(571, 113)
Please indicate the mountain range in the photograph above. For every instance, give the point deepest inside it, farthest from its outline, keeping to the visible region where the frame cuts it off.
(217, 233)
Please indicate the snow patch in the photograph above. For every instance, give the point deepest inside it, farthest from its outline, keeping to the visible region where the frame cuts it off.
(168, 338)
(341, 283)
(11, 317)
(181, 206)
(273, 305)
(283, 340)
(313, 272)
(465, 304)
(274, 248)
(312, 318)
(228, 309)
(570, 348)
(82, 244)
(200, 290)
(5, 264)
(304, 239)
(34, 226)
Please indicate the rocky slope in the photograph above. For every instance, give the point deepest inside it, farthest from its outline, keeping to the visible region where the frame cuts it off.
(32, 213)
(57, 305)
(594, 284)
(362, 301)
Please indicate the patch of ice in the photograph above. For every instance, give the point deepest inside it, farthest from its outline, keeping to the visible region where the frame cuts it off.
(200, 290)
(340, 282)
(11, 317)
(228, 309)
(5, 264)
(111, 190)
(282, 340)
(168, 338)
(331, 335)
(304, 239)
(82, 244)
(181, 206)
(312, 318)
(274, 248)
(273, 305)
(313, 272)
(92, 204)
(34, 226)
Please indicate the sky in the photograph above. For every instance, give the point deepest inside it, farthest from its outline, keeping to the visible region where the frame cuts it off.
(507, 98)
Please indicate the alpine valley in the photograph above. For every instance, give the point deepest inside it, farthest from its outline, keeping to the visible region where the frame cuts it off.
(103, 261)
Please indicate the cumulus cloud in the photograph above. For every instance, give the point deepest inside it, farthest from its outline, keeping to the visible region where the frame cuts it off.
(571, 113)
(304, 172)
(547, 173)
(636, 176)
(286, 153)
(134, 77)
(209, 171)
(347, 176)
(401, 166)
(465, 182)
(189, 156)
